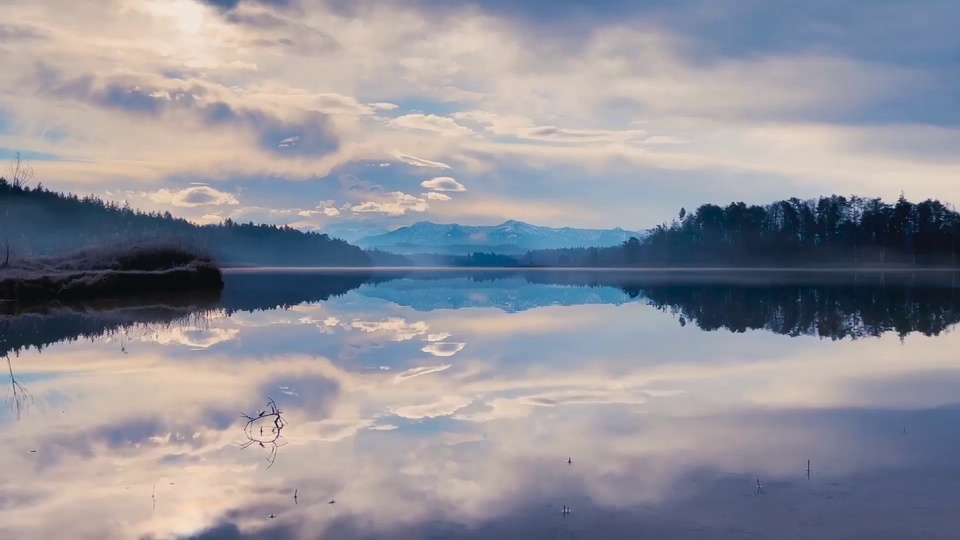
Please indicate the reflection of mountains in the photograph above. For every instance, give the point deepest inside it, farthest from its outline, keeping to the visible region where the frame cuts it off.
(264, 290)
(509, 293)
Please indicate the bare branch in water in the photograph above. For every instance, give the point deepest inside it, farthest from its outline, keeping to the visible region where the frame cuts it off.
(264, 429)
(22, 398)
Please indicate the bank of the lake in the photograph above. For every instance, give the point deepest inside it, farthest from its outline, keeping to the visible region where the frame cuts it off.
(104, 273)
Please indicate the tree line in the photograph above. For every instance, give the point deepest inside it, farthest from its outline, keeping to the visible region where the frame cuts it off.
(829, 231)
(38, 221)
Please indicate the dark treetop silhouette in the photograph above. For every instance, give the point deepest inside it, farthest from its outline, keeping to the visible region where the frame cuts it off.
(43, 222)
(830, 231)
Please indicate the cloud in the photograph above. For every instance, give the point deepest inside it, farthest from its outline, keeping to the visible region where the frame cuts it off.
(208, 219)
(443, 183)
(443, 348)
(436, 196)
(234, 4)
(533, 101)
(192, 197)
(20, 32)
(392, 204)
(419, 162)
(419, 372)
(446, 406)
(498, 209)
(662, 139)
(326, 208)
(525, 128)
(397, 329)
(430, 122)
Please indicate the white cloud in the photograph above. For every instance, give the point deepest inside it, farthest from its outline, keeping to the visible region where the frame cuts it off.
(446, 406)
(419, 162)
(395, 328)
(192, 197)
(662, 139)
(525, 128)
(419, 372)
(430, 122)
(384, 106)
(443, 348)
(443, 183)
(326, 208)
(208, 219)
(392, 204)
(436, 196)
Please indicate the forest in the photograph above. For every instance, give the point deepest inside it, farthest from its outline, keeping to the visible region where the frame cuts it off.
(37, 221)
(829, 231)
(832, 231)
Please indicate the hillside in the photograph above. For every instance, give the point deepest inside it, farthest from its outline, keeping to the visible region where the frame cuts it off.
(43, 222)
(508, 237)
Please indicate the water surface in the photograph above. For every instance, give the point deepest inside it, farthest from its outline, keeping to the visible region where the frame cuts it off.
(450, 405)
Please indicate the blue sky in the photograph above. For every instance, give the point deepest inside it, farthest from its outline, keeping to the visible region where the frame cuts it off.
(335, 113)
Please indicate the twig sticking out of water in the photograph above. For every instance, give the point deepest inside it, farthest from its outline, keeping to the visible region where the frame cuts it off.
(265, 429)
(22, 398)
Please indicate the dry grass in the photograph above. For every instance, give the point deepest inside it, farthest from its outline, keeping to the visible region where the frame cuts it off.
(105, 272)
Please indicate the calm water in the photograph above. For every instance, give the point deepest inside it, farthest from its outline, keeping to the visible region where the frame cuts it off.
(443, 405)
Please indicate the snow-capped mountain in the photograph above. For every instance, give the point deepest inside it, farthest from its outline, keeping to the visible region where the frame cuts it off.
(351, 232)
(509, 233)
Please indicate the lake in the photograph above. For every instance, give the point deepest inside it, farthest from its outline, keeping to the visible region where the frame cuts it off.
(491, 404)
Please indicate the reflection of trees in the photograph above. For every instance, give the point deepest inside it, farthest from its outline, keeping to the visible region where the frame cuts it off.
(45, 326)
(836, 305)
(826, 311)
(41, 326)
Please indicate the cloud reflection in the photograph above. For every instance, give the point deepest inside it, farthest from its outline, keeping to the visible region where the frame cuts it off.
(668, 428)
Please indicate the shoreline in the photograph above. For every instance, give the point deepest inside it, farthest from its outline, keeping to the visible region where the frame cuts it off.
(626, 269)
(19, 290)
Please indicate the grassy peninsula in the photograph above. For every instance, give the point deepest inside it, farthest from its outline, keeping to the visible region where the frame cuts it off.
(97, 273)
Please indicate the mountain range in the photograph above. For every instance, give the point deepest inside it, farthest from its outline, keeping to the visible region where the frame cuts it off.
(508, 237)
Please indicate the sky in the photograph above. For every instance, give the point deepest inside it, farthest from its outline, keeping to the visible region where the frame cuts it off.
(374, 114)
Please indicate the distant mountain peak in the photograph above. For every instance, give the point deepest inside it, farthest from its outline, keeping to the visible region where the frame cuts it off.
(511, 232)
